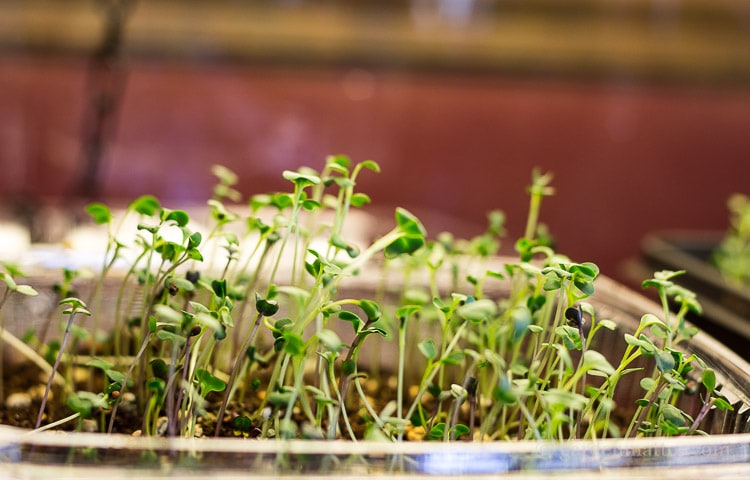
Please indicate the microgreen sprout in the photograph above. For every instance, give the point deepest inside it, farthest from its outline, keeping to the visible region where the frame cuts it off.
(11, 288)
(732, 255)
(255, 324)
(74, 306)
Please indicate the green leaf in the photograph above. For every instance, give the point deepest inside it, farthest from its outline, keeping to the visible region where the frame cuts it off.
(280, 398)
(225, 175)
(588, 269)
(608, 324)
(209, 321)
(156, 385)
(570, 336)
(664, 361)
(360, 199)
(584, 285)
(708, 380)
(168, 314)
(407, 311)
(99, 363)
(673, 414)
(440, 305)
(503, 392)
(535, 328)
(194, 240)
(552, 283)
(219, 287)
(180, 217)
(370, 165)
(658, 331)
(293, 344)
(409, 224)
(242, 424)
(115, 375)
(16, 272)
(281, 325)
(145, 205)
(99, 212)
(282, 200)
(310, 205)
(428, 348)
(165, 336)
(80, 405)
(219, 212)
(521, 317)
(373, 330)
(257, 202)
(647, 383)
(404, 245)
(9, 282)
(75, 306)
(159, 367)
(650, 319)
(352, 317)
(149, 228)
(437, 432)
(264, 307)
(460, 429)
(371, 310)
(348, 367)
(453, 358)
(722, 404)
(181, 283)
(644, 344)
(558, 398)
(287, 428)
(330, 340)
(564, 355)
(26, 290)
(482, 310)
(536, 302)
(339, 163)
(208, 382)
(301, 179)
(595, 361)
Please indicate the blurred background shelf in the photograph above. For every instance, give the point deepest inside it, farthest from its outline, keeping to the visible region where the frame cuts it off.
(664, 40)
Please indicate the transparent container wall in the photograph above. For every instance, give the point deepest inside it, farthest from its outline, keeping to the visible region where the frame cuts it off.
(52, 455)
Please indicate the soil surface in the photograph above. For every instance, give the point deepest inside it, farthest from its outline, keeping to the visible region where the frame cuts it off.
(25, 384)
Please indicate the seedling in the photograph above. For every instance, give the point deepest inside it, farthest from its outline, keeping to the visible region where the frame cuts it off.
(11, 288)
(74, 306)
(251, 328)
(732, 256)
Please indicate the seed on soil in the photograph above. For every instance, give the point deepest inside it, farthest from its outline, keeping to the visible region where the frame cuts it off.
(128, 397)
(37, 392)
(415, 434)
(161, 426)
(413, 391)
(372, 386)
(18, 401)
(89, 425)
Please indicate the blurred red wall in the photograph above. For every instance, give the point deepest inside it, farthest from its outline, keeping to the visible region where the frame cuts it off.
(628, 158)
